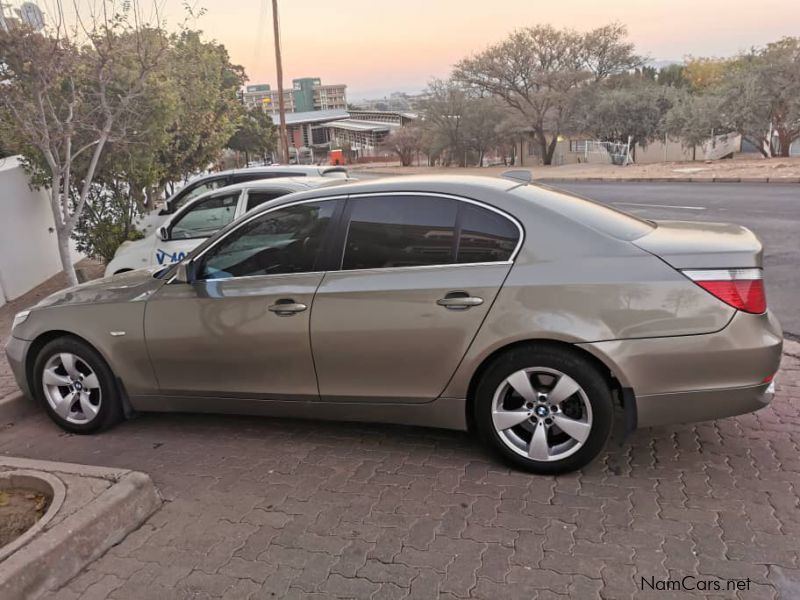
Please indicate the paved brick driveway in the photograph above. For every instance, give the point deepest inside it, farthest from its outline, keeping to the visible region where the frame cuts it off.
(265, 508)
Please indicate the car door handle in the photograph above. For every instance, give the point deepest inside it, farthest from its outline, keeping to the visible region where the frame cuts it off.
(459, 301)
(286, 307)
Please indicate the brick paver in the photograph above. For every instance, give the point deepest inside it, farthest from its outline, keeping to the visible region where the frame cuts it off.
(269, 508)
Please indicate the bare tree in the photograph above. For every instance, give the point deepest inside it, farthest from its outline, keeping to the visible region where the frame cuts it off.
(405, 142)
(68, 92)
(444, 108)
(538, 71)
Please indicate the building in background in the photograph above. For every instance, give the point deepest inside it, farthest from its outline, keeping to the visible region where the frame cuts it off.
(307, 94)
(313, 133)
(396, 101)
(256, 95)
(28, 13)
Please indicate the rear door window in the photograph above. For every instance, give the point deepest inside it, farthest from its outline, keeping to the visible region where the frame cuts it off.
(485, 236)
(399, 231)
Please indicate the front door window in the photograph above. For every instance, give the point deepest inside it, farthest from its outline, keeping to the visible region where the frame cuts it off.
(285, 240)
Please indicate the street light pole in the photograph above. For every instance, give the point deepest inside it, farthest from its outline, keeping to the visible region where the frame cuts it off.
(279, 67)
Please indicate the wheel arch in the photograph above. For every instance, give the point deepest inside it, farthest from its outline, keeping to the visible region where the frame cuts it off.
(46, 337)
(624, 395)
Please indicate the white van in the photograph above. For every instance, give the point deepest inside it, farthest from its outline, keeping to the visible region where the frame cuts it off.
(201, 217)
(205, 183)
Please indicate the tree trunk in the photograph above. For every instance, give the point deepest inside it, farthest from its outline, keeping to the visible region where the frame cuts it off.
(551, 150)
(543, 149)
(785, 141)
(66, 256)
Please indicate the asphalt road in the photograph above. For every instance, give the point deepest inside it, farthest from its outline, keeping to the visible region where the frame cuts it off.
(772, 211)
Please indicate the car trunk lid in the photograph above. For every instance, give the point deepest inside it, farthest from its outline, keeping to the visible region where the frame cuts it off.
(725, 260)
(692, 245)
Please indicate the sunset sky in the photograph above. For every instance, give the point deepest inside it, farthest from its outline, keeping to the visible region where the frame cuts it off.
(377, 46)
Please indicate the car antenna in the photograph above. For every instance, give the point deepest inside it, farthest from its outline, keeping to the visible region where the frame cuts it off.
(524, 176)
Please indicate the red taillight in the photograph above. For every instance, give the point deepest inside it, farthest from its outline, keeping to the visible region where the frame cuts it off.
(740, 288)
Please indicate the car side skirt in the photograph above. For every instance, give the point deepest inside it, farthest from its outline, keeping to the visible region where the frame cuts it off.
(443, 413)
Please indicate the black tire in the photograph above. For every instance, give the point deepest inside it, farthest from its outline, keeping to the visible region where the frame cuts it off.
(110, 407)
(568, 362)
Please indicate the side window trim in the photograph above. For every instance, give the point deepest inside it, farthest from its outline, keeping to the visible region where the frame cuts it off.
(342, 230)
(329, 235)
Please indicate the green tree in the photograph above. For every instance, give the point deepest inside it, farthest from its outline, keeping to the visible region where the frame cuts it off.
(255, 134)
(66, 96)
(208, 109)
(635, 110)
(107, 221)
(756, 94)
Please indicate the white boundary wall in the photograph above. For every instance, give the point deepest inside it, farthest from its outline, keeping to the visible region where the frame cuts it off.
(28, 248)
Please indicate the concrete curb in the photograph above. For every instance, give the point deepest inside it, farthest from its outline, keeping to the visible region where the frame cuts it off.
(679, 179)
(55, 556)
(784, 180)
(16, 407)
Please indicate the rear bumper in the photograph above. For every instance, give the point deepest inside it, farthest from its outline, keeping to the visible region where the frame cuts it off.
(16, 351)
(698, 377)
(690, 407)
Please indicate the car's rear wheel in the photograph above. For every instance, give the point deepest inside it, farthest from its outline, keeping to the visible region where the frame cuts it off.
(76, 386)
(547, 410)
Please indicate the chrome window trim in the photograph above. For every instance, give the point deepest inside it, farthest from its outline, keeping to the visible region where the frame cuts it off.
(502, 213)
(271, 275)
(736, 274)
(477, 203)
(420, 267)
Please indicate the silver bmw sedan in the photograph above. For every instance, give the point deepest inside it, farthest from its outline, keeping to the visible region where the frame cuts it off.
(536, 318)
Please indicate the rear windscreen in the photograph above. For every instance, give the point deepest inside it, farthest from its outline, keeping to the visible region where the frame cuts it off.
(600, 217)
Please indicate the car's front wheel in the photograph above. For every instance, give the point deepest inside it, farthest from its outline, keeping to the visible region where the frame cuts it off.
(547, 410)
(76, 386)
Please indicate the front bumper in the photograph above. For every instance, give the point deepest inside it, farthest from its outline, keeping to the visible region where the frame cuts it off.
(698, 377)
(16, 351)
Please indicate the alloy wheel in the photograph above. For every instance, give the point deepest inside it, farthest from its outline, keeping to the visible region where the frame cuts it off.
(71, 388)
(542, 414)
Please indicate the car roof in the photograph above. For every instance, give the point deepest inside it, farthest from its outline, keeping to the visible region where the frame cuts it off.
(267, 170)
(294, 183)
(490, 189)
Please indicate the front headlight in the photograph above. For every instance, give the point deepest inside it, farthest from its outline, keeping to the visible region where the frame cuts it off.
(20, 318)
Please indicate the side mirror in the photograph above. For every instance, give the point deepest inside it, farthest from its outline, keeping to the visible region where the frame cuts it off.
(163, 233)
(182, 273)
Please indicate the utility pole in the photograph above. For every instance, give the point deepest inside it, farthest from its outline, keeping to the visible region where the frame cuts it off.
(279, 67)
